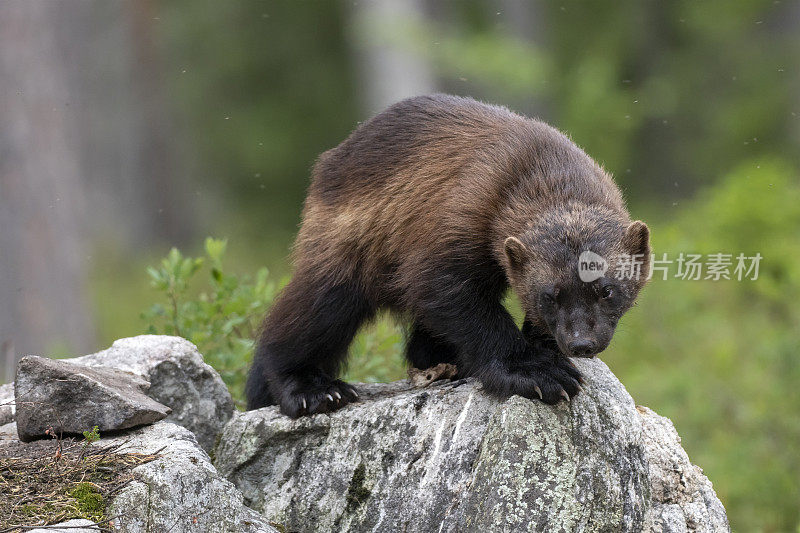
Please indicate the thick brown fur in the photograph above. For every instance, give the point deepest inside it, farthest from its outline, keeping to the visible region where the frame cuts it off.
(413, 212)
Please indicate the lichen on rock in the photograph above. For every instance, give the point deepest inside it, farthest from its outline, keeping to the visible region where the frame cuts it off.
(180, 491)
(442, 458)
(451, 458)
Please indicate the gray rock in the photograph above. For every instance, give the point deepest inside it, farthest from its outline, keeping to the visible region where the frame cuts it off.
(180, 491)
(178, 378)
(73, 398)
(683, 498)
(450, 458)
(8, 433)
(77, 525)
(6, 403)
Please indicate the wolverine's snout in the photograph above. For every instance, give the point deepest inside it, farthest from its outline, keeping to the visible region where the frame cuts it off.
(582, 348)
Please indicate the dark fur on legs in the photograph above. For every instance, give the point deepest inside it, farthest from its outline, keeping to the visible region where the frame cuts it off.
(304, 343)
(423, 350)
(308, 331)
(490, 346)
(257, 389)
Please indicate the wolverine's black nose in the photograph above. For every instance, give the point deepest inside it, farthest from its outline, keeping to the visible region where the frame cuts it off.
(582, 347)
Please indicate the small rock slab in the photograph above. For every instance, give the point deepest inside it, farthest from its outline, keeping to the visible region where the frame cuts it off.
(72, 398)
(179, 379)
(8, 433)
(77, 525)
(6, 403)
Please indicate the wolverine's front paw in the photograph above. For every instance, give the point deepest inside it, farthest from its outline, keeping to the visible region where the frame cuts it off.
(567, 374)
(549, 382)
(320, 396)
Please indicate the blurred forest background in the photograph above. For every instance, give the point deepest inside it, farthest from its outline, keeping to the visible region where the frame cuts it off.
(127, 128)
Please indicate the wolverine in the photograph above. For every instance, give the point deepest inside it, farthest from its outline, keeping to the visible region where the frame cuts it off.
(432, 209)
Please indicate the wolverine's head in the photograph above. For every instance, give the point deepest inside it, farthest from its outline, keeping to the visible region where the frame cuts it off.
(576, 271)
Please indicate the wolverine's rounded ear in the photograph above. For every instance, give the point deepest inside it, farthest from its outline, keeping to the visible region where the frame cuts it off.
(516, 252)
(636, 240)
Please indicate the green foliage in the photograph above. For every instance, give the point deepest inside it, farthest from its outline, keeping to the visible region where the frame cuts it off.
(720, 357)
(221, 319)
(273, 81)
(376, 354)
(483, 56)
(92, 435)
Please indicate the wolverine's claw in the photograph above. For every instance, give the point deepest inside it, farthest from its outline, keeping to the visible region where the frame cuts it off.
(320, 395)
(564, 395)
(538, 391)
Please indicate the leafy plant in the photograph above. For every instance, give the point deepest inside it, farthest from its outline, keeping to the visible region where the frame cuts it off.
(91, 435)
(222, 319)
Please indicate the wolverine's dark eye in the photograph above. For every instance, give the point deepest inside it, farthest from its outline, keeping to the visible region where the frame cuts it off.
(606, 292)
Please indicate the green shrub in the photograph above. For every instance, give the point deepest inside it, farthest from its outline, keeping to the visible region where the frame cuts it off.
(720, 357)
(222, 318)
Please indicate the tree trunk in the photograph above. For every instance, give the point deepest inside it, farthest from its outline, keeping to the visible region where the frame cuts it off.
(43, 298)
(388, 70)
(128, 145)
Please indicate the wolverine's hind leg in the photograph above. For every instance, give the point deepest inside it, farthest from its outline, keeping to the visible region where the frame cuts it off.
(303, 344)
(425, 350)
